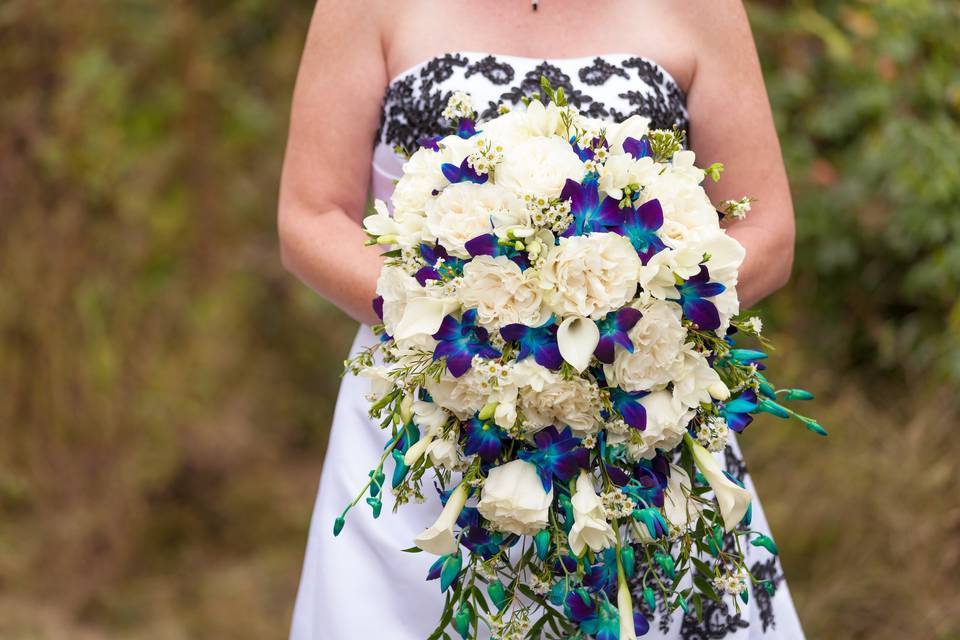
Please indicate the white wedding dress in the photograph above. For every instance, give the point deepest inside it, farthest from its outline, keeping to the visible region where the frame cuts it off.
(360, 585)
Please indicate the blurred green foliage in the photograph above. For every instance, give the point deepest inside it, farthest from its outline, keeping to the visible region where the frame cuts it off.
(167, 388)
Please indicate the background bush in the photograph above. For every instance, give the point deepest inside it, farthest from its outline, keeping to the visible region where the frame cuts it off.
(167, 388)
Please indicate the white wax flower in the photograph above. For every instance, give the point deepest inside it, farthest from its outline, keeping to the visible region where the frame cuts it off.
(513, 498)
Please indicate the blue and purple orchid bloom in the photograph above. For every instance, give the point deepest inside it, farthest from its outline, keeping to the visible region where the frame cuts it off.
(614, 330)
(463, 173)
(558, 455)
(640, 226)
(737, 410)
(460, 340)
(440, 266)
(638, 148)
(590, 213)
(483, 438)
(693, 293)
(539, 342)
(490, 245)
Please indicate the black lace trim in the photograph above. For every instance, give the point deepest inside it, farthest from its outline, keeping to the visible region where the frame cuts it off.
(413, 103)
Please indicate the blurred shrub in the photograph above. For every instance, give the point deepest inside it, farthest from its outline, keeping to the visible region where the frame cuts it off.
(867, 100)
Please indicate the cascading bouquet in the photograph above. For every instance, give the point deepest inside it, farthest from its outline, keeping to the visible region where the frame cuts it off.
(558, 310)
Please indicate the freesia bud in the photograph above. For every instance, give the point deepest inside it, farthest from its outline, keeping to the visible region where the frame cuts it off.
(719, 391)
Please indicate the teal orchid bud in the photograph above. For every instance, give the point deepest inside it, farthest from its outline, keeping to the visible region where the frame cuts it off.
(451, 569)
(376, 504)
(542, 543)
(771, 407)
(666, 563)
(498, 595)
(747, 355)
(766, 542)
(628, 558)
(745, 596)
(338, 525)
(650, 599)
(400, 469)
(462, 620)
(797, 394)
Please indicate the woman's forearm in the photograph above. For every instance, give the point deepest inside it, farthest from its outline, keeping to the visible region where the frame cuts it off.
(326, 251)
(768, 262)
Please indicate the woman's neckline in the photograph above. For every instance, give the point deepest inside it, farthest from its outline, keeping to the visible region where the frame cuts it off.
(506, 56)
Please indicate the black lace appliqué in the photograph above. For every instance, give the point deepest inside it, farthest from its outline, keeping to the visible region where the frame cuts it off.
(599, 71)
(413, 103)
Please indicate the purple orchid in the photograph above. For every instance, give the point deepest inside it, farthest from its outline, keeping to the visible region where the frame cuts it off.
(614, 329)
(638, 148)
(460, 340)
(640, 226)
(489, 245)
(589, 212)
(628, 404)
(558, 455)
(540, 342)
(466, 128)
(586, 152)
(463, 173)
(693, 294)
(430, 142)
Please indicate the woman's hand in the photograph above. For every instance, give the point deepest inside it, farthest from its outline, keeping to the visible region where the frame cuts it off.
(731, 123)
(326, 171)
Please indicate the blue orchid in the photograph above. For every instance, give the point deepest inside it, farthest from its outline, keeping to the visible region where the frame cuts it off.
(614, 329)
(693, 293)
(585, 152)
(463, 173)
(540, 342)
(460, 340)
(640, 225)
(627, 403)
(638, 148)
(602, 576)
(589, 212)
(483, 438)
(652, 518)
(558, 455)
(737, 411)
(489, 245)
(432, 255)
(649, 480)
(467, 128)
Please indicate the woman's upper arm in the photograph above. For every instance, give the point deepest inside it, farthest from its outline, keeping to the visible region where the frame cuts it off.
(731, 122)
(335, 113)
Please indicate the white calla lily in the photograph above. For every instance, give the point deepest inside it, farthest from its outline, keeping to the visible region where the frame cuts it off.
(423, 316)
(679, 509)
(438, 539)
(733, 499)
(628, 630)
(577, 339)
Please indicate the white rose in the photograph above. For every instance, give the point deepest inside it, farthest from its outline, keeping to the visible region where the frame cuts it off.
(590, 275)
(462, 396)
(513, 499)
(539, 166)
(694, 380)
(546, 398)
(422, 176)
(466, 210)
(397, 288)
(501, 292)
(666, 424)
(658, 344)
(590, 528)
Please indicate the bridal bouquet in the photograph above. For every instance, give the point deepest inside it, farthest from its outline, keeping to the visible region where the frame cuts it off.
(558, 308)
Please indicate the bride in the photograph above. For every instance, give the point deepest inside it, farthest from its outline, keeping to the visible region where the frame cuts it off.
(376, 75)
